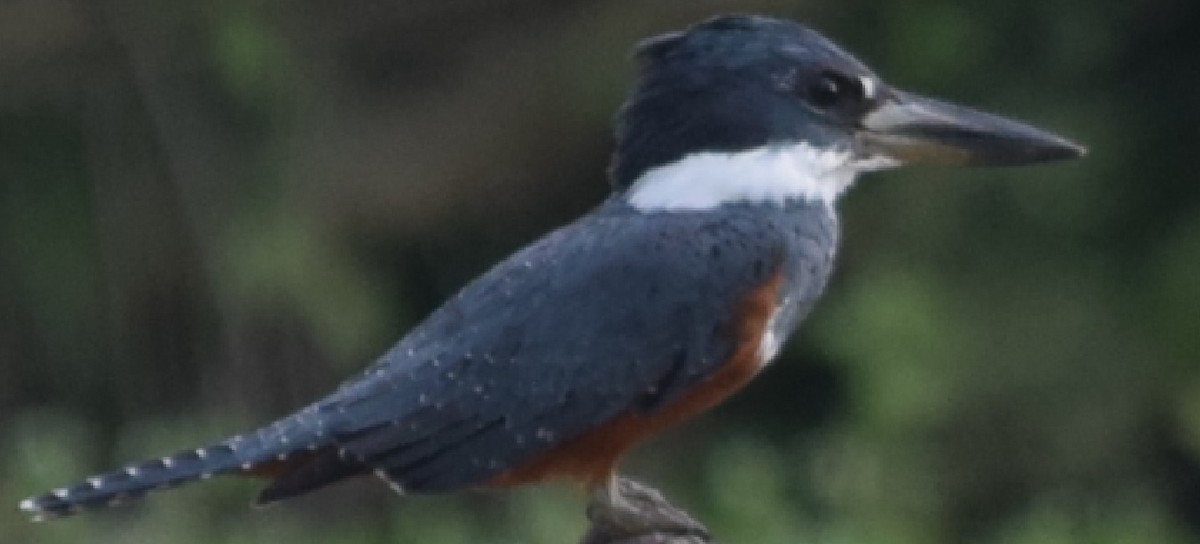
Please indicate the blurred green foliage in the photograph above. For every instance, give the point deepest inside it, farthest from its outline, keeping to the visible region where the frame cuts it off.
(211, 212)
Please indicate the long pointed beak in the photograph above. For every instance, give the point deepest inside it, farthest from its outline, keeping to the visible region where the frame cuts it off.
(914, 129)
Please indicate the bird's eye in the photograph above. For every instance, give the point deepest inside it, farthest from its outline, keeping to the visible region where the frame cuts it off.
(832, 89)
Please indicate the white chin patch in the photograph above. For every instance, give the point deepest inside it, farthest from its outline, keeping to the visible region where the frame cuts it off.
(707, 180)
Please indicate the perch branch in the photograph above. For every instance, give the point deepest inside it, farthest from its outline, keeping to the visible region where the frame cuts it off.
(639, 514)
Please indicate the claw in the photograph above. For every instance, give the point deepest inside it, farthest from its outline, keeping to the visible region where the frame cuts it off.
(625, 511)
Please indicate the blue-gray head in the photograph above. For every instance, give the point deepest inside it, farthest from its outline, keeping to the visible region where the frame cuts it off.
(753, 109)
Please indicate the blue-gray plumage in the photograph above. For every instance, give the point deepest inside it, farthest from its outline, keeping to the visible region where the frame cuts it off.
(737, 139)
(622, 310)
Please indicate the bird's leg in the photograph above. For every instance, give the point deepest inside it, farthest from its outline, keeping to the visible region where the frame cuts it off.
(623, 510)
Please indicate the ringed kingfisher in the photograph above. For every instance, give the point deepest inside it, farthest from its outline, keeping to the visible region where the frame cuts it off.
(736, 140)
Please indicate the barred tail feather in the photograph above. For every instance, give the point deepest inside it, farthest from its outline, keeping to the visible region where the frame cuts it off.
(134, 481)
(249, 453)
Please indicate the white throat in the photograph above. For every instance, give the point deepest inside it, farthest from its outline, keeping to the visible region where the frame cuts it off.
(707, 180)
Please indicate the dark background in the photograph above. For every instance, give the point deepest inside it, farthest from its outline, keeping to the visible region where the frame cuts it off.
(213, 211)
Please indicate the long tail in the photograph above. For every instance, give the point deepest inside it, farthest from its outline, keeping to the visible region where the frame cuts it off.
(260, 452)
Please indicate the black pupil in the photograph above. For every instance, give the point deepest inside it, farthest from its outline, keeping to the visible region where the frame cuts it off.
(833, 90)
(826, 91)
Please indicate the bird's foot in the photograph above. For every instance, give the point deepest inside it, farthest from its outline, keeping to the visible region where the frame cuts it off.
(627, 512)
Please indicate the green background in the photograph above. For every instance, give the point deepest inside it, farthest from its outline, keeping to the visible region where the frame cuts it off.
(213, 211)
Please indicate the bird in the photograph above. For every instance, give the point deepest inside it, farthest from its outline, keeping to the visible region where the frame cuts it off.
(737, 138)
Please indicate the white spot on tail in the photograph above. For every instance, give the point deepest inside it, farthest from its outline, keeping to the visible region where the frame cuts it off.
(29, 506)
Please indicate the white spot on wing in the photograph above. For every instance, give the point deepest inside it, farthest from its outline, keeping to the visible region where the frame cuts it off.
(393, 484)
(28, 505)
(706, 180)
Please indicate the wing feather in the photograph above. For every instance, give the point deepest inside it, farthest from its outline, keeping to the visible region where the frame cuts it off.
(604, 315)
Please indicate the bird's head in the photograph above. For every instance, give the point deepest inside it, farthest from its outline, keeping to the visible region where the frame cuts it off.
(745, 109)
